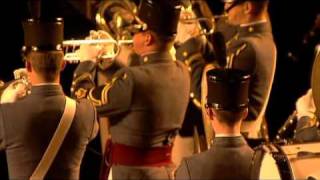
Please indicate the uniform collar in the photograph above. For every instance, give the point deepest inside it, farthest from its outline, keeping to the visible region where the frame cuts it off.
(47, 89)
(255, 27)
(229, 141)
(156, 57)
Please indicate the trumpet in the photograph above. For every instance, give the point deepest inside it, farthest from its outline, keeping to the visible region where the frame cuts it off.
(71, 47)
(207, 24)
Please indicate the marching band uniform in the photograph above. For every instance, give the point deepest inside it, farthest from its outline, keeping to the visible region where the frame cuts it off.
(145, 103)
(228, 158)
(27, 125)
(251, 49)
(229, 152)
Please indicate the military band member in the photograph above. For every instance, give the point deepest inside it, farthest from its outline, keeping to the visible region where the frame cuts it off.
(227, 106)
(27, 125)
(145, 103)
(250, 47)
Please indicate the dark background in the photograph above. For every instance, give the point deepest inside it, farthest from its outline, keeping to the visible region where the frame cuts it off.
(291, 21)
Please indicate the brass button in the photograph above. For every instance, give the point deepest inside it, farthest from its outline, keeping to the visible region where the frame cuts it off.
(185, 54)
(192, 95)
(145, 59)
(251, 29)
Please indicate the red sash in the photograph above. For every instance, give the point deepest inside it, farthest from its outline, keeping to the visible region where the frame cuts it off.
(120, 154)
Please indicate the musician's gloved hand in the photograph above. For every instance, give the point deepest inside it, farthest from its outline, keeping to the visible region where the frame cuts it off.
(14, 92)
(187, 29)
(21, 73)
(92, 52)
(305, 105)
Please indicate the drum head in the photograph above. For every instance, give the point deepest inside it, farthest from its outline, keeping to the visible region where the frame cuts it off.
(304, 160)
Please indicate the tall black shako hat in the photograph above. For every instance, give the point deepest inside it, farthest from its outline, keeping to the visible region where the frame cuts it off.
(227, 89)
(42, 34)
(160, 16)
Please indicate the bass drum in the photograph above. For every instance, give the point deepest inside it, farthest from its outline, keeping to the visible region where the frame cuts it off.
(297, 161)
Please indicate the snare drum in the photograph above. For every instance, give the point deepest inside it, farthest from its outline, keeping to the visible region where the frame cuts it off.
(297, 161)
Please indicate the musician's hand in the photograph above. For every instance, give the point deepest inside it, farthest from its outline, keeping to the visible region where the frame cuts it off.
(14, 92)
(187, 30)
(20, 73)
(305, 105)
(92, 52)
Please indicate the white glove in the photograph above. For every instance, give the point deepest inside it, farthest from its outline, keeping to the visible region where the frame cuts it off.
(185, 31)
(20, 73)
(92, 52)
(305, 105)
(13, 92)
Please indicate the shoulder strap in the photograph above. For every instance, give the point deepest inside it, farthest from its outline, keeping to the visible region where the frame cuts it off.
(256, 162)
(56, 141)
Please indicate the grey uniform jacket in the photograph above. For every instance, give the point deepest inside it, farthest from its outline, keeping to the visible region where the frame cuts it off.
(228, 158)
(27, 126)
(250, 48)
(255, 53)
(146, 104)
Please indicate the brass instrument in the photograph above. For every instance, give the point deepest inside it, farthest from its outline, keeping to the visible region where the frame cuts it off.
(71, 46)
(113, 16)
(198, 21)
(115, 19)
(17, 88)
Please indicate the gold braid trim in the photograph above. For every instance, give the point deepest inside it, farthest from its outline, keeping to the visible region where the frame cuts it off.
(81, 78)
(235, 37)
(241, 49)
(107, 87)
(96, 102)
(230, 60)
(196, 102)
